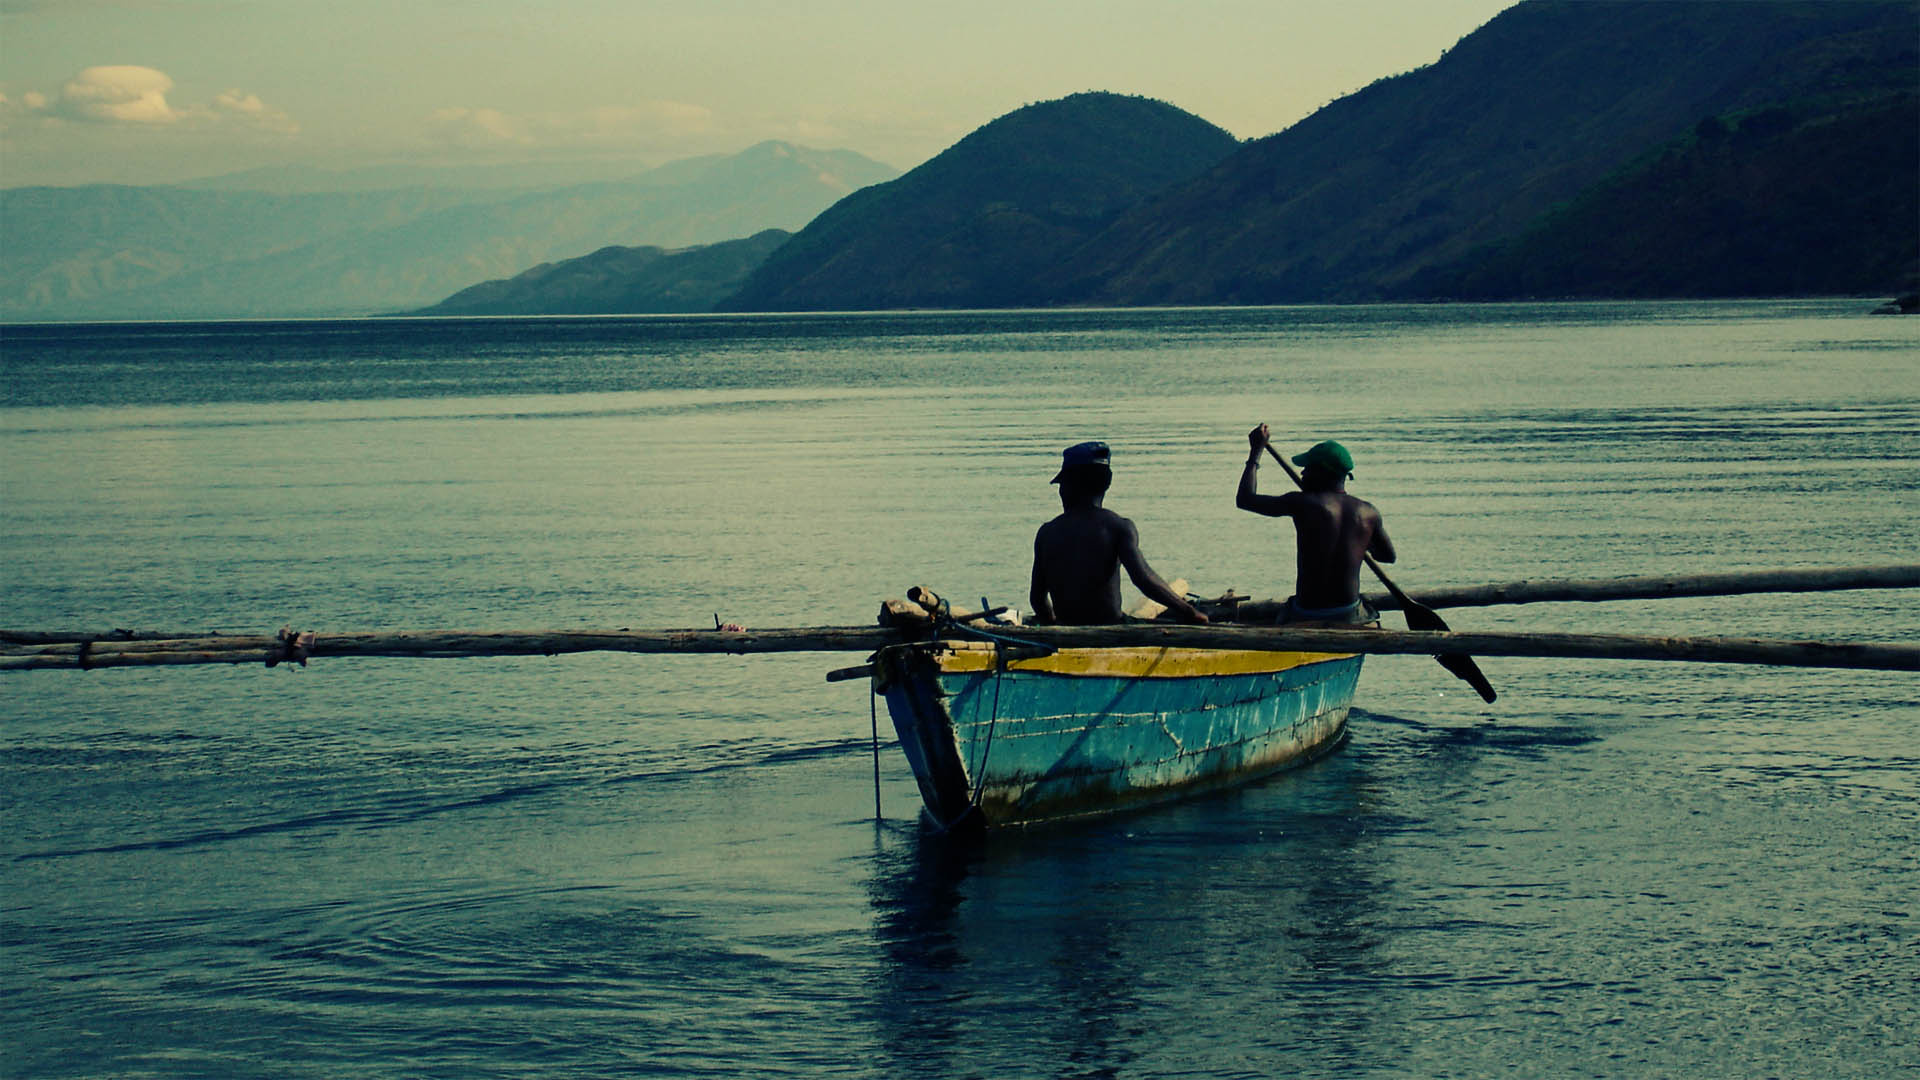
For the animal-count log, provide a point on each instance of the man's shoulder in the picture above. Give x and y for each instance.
(1060, 523)
(1089, 514)
(1092, 521)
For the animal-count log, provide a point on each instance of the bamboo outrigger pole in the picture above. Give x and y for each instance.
(1667, 587)
(285, 647)
(1512, 592)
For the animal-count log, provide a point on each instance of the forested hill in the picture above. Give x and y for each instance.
(627, 280)
(1420, 170)
(976, 225)
(1788, 200)
(1619, 143)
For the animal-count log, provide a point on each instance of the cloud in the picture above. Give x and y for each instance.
(117, 94)
(646, 120)
(807, 131)
(641, 124)
(249, 109)
(129, 95)
(478, 129)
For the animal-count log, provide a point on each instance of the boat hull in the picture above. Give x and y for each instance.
(1091, 731)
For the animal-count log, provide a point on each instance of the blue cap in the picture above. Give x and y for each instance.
(1086, 453)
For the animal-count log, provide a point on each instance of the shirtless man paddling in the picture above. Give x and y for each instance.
(1333, 531)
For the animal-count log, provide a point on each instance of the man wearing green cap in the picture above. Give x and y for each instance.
(1078, 556)
(1333, 531)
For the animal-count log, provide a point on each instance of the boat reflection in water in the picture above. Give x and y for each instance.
(997, 735)
(1136, 943)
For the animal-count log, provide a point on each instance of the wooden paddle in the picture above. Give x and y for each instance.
(1419, 616)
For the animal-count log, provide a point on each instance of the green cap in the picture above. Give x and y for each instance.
(1328, 455)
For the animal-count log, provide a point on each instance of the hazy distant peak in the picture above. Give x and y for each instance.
(839, 170)
(847, 169)
(233, 249)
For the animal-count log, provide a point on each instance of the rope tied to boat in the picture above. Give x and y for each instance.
(943, 624)
(993, 724)
(873, 718)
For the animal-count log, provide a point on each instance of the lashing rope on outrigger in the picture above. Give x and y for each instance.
(944, 624)
(941, 623)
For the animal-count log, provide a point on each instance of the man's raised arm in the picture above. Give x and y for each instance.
(1249, 497)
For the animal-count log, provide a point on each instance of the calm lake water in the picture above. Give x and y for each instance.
(611, 865)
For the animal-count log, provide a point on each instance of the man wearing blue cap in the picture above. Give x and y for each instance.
(1333, 531)
(1077, 557)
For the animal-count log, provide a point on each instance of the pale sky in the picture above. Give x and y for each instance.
(153, 91)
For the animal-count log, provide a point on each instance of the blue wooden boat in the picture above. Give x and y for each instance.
(1011, 741)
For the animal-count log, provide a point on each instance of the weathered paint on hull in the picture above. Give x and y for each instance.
(1087, 731)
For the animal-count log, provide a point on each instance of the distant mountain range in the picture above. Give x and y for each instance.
(1581, 135)
(1569, 148)
(523, 176)
(109, 252)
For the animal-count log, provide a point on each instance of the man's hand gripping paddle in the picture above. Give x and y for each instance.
(1419, 616)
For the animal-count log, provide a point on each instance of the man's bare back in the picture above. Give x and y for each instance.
(1076, 565)
(1078, 556)
(1333, 530)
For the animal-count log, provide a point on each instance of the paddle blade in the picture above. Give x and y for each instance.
(1421, 617)
(1468, 672)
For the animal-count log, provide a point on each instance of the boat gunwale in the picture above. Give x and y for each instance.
(1121, 662)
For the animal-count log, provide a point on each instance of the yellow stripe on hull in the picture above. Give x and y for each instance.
(1144, 662)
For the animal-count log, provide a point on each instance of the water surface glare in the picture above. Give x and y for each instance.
(609, 865)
